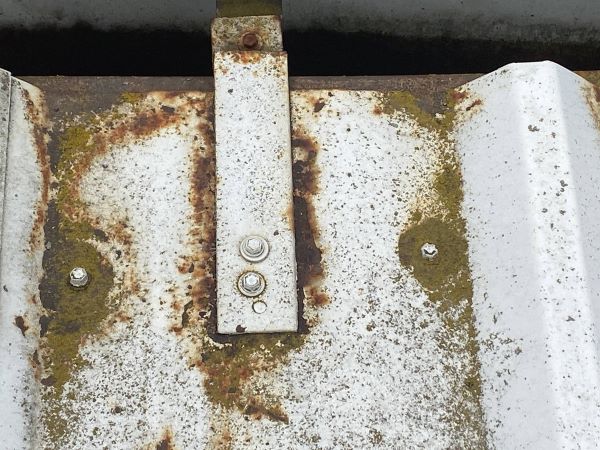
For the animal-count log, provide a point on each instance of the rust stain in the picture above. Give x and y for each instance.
(20, 324)
(166, 442)
(475, 103)
(592, 95)
(309, 256)
(318, 105)
(36, 116)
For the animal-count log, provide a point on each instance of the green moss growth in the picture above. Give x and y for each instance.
(74, 312)
(131, 97)
(447, 278)
(229, 366)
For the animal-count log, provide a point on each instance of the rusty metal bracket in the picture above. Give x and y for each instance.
(254, 179)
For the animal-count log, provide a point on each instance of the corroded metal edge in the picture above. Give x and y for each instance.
(27, 180)
(227, 33)
(4, 123)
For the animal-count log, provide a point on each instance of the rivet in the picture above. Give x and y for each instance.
(251, 284)
(254, 249)
(259, 307)
(429, 251)
(250, 40)
(78, 277)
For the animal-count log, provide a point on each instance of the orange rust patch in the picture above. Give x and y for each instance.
(20, 323)
(308, 254)
(36, 116)
(36, 365)
(474, 104)
(257, 411)
(457, 95)
(318, 105)
(377, 110)
(146, 122)
(166, 443)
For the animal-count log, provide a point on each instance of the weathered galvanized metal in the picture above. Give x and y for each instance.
(25, 203)
(254, 185)
(394, 350)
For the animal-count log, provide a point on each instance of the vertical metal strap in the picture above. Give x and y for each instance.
(256, 263)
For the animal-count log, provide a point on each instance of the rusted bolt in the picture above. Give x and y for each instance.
(78, 277)
(254, 248)
(251, 284)
(259, 307)
(429, 251)
(250, 40)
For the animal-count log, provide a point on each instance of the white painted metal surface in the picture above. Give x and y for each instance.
(531, 161)
(254, 189)
(21, 267)
(381, 365)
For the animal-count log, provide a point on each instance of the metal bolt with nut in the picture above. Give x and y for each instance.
(254, 249)
(78, 277)
(251, 284)
(429, 251)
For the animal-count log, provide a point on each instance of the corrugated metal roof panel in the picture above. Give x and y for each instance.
(395, 350)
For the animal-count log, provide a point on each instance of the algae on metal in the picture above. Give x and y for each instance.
(72, 314)
(447, 278)
(229, 366)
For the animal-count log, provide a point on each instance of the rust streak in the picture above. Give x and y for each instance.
(36, 116)
(20, 323)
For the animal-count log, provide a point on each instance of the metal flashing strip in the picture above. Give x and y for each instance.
(254, 194)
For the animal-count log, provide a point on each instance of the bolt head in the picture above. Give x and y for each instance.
(250, 40)
(429, 251)
(78, 277)
(251, 284)
(254, 248)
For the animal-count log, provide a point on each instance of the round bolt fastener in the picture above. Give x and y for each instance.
(259, 307)
(251, 284)
(429, 251)
(78, 277)
(251, 40)
(254, 249)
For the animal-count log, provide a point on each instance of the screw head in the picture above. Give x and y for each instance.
(78, 277)
(250, 40)
(429, 251)
(251, 284)
(254, 249)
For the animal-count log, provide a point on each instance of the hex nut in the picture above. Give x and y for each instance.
(254, 249)
(251, 284)
(78, 277)
(429, 251)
